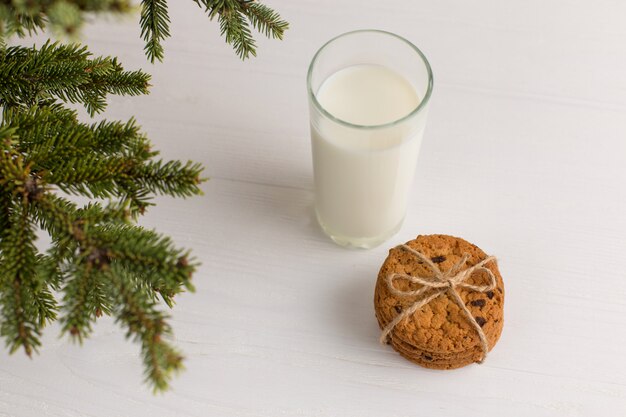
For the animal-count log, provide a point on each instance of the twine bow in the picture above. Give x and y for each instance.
(440, 282)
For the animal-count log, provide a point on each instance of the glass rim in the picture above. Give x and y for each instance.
(413, 112)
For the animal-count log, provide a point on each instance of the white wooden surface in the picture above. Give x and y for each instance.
(525, 155)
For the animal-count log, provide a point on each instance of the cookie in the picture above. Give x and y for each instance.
(434, 360)
(428, 361)
(440, 335)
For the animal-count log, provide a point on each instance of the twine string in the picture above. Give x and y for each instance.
(440, 283)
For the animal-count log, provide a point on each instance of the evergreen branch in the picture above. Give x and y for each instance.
(70, 225)
(104, 160)
(23, 295)
(88, 169)
(234, 17)
(264, 19)
(44, 303)
(49, 271)
(51, 135)
(58, 216)
(45, 131)
(118, 138)
(15, 175)
(7, 137)
(107, 177)
(146, 325)
(154, 24)
(30, 76)
(19, 20)
(64, 17)
(99, 262)
(23, 18)
(95, 213)
(83, 301)
(170, 178)
(86, 295)
(120, 82)
(27, 73)
(147, 255)
(67, 17)
(94, 233)
(236, 31)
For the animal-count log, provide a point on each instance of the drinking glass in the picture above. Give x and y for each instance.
(363, 171)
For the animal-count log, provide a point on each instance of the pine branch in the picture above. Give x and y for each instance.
(265, 20)
(148, 255)
(101, 160)
(169, 178)
(26, 303)
(66, 17)
(236, 31)
(235, 17)
(101, 239)
(31, 76)
(154, 24)
(80, 260)
(146, 325)
(99, 262)
(20, 19)
(51, 135)
(83, 300)
(23, 18)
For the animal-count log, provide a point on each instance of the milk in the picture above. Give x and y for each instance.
(363, 174)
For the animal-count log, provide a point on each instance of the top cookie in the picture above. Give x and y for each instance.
(441, 326)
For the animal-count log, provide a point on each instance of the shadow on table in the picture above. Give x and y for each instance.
(353, 307)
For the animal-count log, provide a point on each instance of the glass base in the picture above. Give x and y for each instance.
(358, 242)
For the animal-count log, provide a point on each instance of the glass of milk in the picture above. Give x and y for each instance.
(368, 99)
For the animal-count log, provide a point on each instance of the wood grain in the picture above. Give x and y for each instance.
(526, 130)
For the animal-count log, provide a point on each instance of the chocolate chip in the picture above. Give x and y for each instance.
(428, 357)
(478, 303)
(438, 259)
(480, 320)
(489, 294)
(398, 308)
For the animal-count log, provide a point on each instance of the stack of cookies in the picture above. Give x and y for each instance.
(439, 334)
